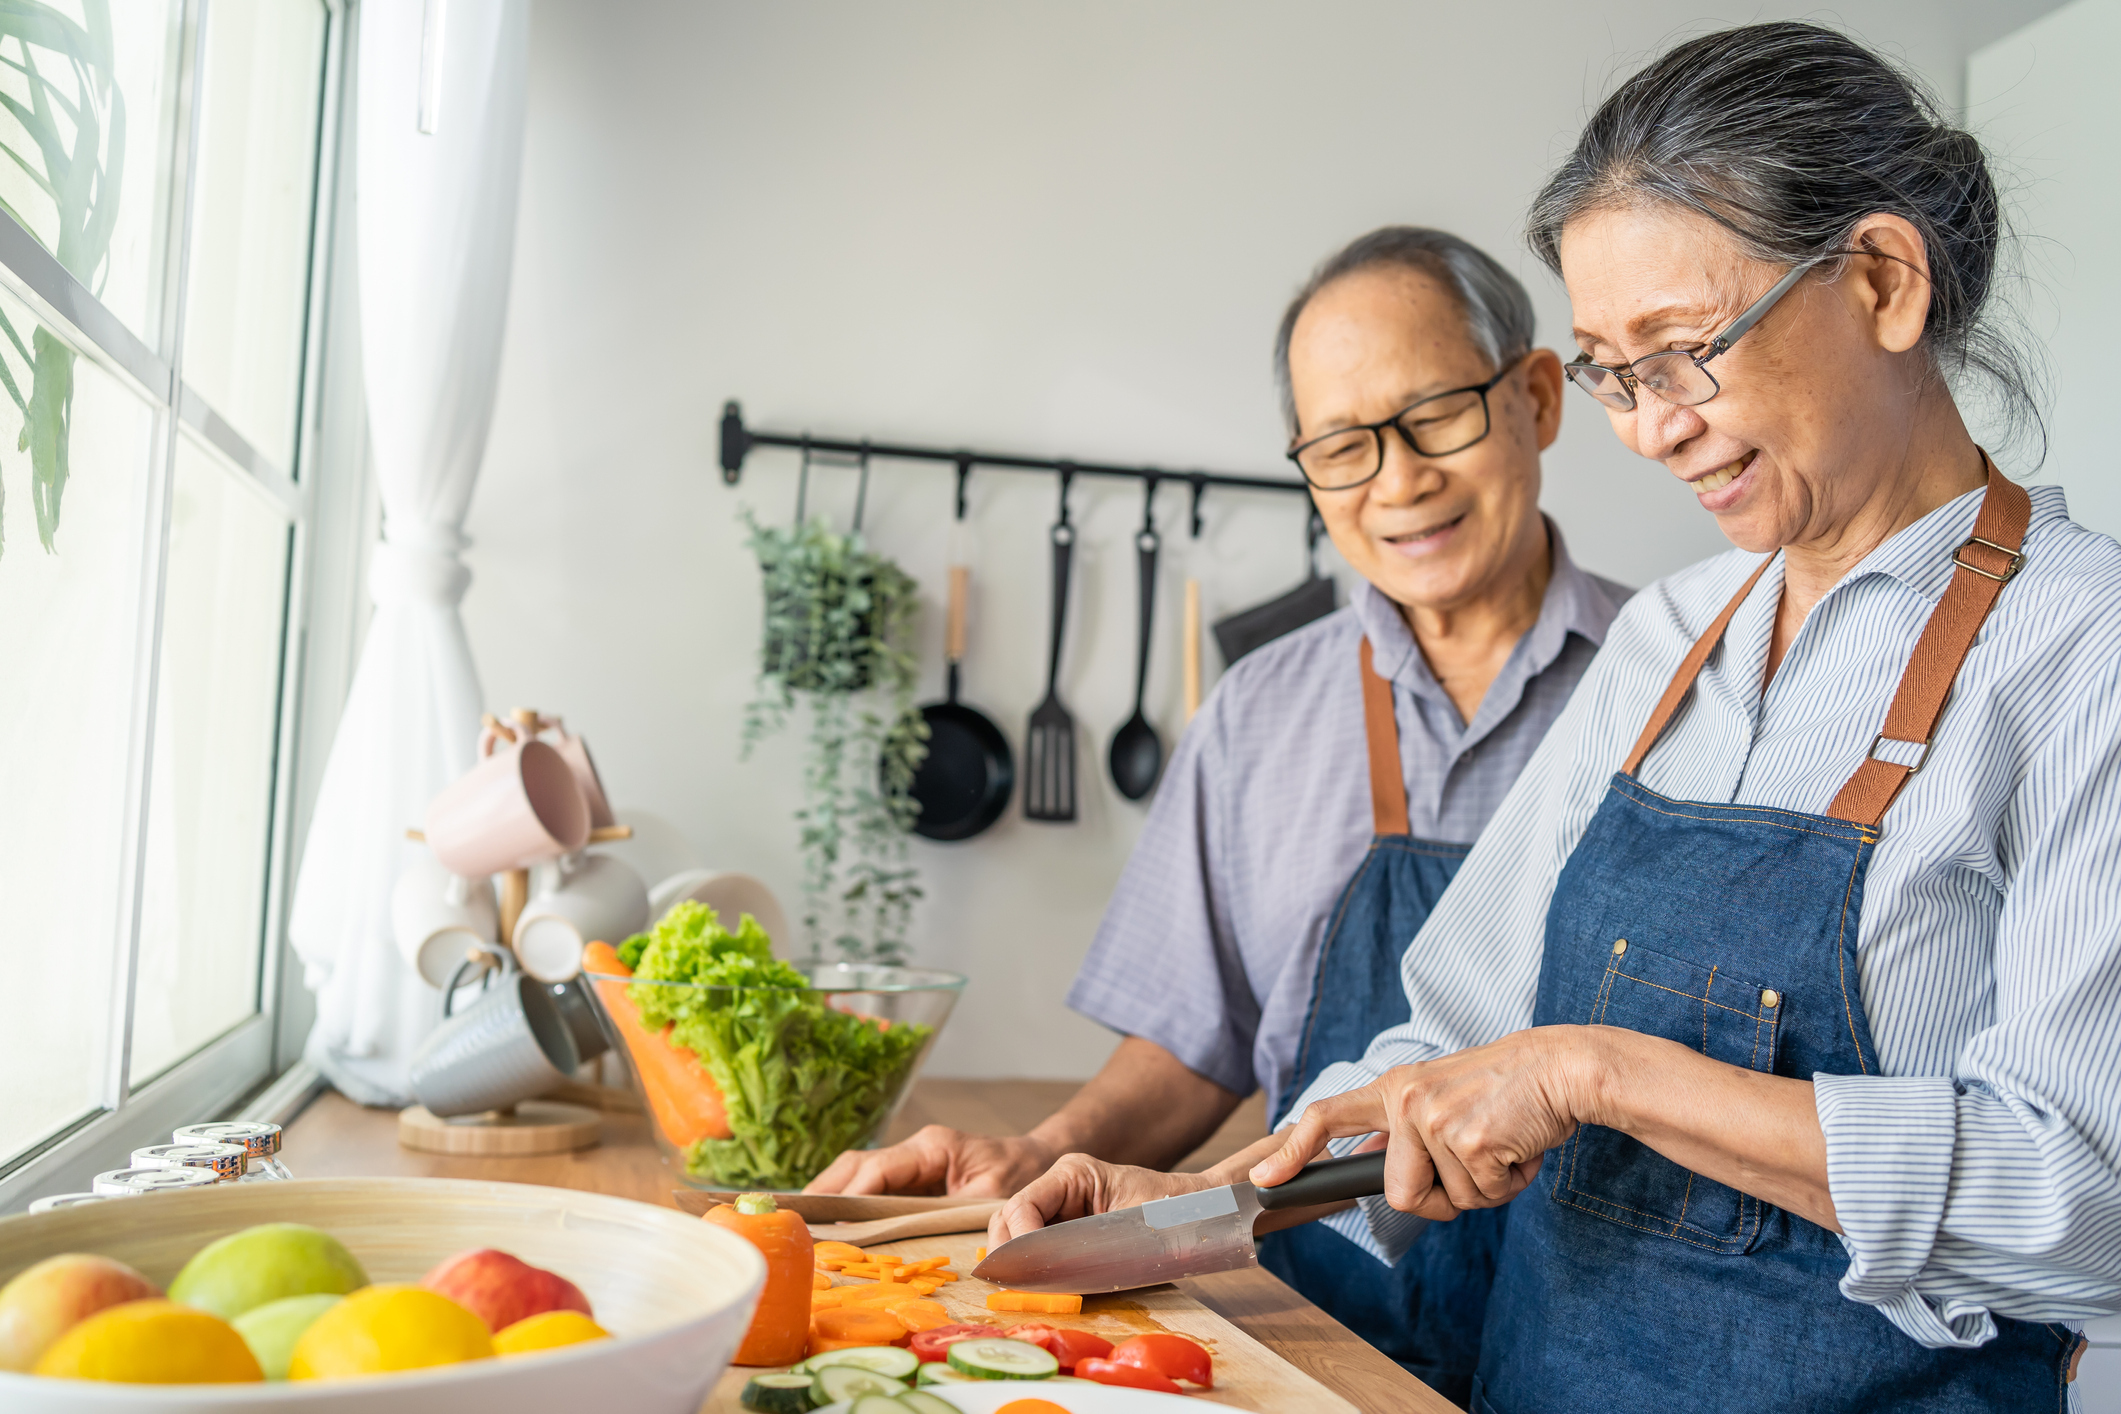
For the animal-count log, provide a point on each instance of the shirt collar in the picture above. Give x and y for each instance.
(1574, 603)
(1920, 556)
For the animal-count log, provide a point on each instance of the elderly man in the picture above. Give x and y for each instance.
(1331, 784)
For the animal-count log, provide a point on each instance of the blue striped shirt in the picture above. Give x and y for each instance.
(1981, 1171)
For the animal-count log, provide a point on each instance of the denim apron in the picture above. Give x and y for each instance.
(1425, 1312)
(1631, 1283)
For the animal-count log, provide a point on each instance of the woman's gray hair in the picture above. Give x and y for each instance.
(1498, 311)
(1788, 135)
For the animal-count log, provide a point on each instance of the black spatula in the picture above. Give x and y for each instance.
(1049, 746)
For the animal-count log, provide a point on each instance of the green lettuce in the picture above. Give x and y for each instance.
(800, 1081)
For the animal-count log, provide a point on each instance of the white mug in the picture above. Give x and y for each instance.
(439, 917)
(585, 898)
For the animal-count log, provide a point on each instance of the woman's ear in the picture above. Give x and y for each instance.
(1543, 381)
(1890, 281)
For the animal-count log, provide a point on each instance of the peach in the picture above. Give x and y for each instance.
(58, 1293)
(501, 1289)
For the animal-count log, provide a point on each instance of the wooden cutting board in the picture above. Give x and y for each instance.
(1247, 1374)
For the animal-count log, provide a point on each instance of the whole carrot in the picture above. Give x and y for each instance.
(781, 1325)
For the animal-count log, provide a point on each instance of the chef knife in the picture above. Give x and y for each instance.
(1187, 1236)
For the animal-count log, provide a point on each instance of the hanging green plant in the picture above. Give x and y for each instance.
(838, 622)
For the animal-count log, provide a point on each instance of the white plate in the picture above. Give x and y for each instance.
(1075, 1396)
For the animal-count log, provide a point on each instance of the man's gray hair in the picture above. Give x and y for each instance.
(1498, 311)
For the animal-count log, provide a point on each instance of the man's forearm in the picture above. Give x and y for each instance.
(1146, 1107)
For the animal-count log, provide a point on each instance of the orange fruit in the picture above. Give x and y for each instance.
(548, 1330)
(388, 1327)
(152, 1343)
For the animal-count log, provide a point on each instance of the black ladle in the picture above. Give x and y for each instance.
(1137, 753)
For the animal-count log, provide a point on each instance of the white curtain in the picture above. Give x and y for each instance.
(438, 150)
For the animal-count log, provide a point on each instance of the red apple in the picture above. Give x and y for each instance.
(501, 1290)
(47, 1300)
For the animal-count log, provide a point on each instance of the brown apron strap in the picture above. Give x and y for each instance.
(1388, 787)
(1689, 669)
(1985, 564)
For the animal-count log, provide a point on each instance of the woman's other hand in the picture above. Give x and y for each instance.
(1078, 1186)
(937, 1160)
(1465, 1131)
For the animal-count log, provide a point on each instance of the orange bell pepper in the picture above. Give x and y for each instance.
(781, 1326)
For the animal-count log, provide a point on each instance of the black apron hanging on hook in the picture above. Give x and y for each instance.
(1246, 630)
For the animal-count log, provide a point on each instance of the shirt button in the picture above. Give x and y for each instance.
(1620, 947)
(1770, 999)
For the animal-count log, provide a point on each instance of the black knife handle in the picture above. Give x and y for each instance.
(1329, 1181)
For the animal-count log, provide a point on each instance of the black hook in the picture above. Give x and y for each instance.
(1200, 485)
(802, 483)
(964, 471)
(861, 490)
(1067, 479)
(1148, 530)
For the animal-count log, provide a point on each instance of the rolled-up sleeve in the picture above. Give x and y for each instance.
(1165, 966)
(1994, 1191)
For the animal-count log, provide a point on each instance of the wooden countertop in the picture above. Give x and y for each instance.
(335, 1138)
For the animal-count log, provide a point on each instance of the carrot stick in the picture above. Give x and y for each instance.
(1051, 1305)
(781, 1326)
(681, 1094)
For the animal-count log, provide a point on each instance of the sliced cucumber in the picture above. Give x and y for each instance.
(779, 1394)
(935, 1372)
(996, 1358)
(879, 1404)
(922, 1402)
(842, 1382)
(893, 1360)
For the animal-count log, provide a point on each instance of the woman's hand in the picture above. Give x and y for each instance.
(1465, 1131)
(1078, 1186)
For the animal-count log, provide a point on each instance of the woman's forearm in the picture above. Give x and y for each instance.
(1756, 1133)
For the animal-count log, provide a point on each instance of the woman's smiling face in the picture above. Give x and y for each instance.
(1817, 400)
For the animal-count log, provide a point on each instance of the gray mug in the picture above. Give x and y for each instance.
(511, 1044)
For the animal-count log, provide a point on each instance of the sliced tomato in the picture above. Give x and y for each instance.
(1112, 1372)
(1172, 1356)
(935, 1345)
(1063, 1344)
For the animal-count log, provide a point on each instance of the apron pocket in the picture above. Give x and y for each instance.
(1607, 1174)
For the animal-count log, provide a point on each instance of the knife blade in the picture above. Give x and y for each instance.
(1190, 1235)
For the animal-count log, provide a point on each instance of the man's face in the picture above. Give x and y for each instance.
(1433, 533)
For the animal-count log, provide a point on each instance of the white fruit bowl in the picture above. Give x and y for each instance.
(676, 1292)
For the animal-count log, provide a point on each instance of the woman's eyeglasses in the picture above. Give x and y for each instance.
(1681, 377)
(1435, 426)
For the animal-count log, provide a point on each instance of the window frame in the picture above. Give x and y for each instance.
(328, 501)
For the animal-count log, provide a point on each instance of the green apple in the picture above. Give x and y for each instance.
(271, 1330)
(246, 1269)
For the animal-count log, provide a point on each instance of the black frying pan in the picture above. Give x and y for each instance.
(963, 784)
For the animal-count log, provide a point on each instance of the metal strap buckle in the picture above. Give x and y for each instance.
(2017, 560)
(1920, 761)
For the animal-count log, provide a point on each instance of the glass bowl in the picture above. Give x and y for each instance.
(776, 1081)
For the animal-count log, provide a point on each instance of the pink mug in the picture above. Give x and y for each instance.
(520, 807)
(575, 751)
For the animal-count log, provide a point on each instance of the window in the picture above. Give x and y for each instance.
(159, 213)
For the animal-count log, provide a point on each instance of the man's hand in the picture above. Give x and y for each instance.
(938, 1161)
(1079, 1186)
(1464, 1131)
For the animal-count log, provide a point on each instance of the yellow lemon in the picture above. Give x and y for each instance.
(381, 1328)
(547, 1330)
(152, 1343)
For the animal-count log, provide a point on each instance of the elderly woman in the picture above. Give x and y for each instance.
(1784, 985)
(1316, 808)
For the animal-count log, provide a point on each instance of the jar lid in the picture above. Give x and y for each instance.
(221, 1160)
(121, 1183)
(69, 1200)
(260, 1139)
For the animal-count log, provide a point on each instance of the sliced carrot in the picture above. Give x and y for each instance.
(682, 1096)
(979, 1254)
(1047, 1304)
(859, 1327)
(820, 1282)
(883, 1293)
(828, 1300)
(925, 1286)
(921, 1315)
(929, 1264)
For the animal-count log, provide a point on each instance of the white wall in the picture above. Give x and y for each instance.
(1058, 229)
(2041, 99)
